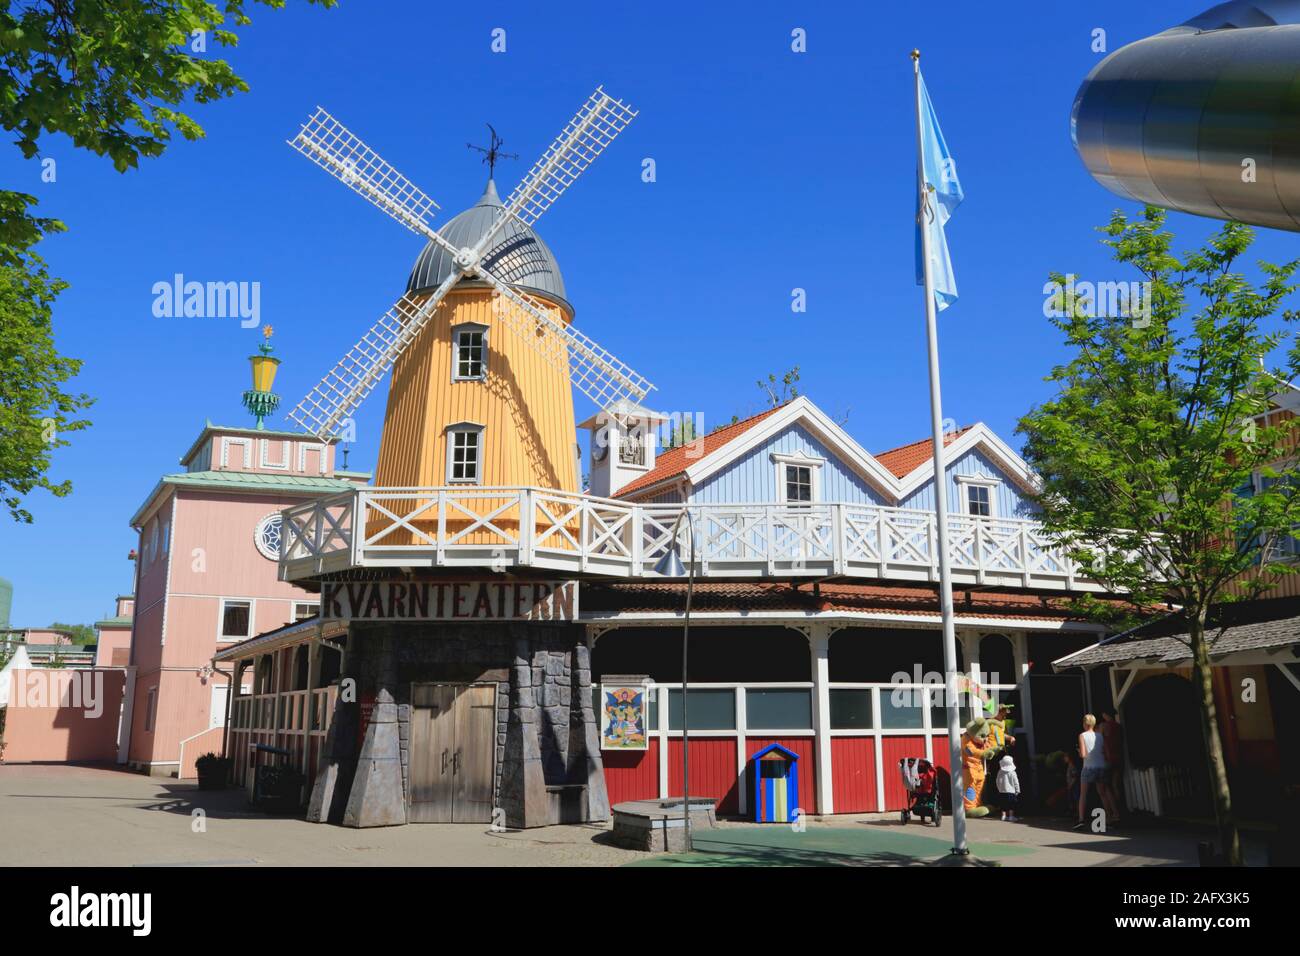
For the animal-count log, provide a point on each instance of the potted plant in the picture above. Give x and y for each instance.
(213, 770)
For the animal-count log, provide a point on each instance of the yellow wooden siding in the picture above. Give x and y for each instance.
(525, 407)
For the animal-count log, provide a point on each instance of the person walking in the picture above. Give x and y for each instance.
(1092, 753)
(1112, 734)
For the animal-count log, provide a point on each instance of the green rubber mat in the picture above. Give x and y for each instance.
(775, 845)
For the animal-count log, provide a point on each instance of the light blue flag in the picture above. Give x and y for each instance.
(939, 171)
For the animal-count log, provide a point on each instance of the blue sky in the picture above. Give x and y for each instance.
(775, 171)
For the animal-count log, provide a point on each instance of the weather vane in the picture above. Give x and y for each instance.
(493, 151)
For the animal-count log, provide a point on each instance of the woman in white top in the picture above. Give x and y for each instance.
(1093, 773)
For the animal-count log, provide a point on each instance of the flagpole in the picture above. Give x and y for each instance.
(959, 847)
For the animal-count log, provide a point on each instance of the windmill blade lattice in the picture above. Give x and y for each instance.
(353, 377)
(334, 148)
(593, 369)
(586, 136)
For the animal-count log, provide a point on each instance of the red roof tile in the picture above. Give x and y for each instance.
(674, 461)
(653, 597)
(902, 461)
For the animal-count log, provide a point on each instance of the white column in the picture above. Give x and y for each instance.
(127, 716)
(1025, 719)
(820, 641)
(742, 763)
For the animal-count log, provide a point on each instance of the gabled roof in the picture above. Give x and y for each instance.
(904, 459)
(895, 473)
(673, 462)
(774, 749)
(977, 436)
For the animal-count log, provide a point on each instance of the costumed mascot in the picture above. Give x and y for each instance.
(974, 751)
(998, 719)
(999, 741)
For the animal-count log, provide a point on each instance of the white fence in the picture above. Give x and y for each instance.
(500, 528)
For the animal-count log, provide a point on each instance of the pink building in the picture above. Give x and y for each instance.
(113, 645)
(207, 576)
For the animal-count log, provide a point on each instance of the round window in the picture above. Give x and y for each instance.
(267, 536)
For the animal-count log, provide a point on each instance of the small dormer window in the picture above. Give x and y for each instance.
(464, 454)
(978, 501)
(798, 483)
(798, 478)
(469, 355)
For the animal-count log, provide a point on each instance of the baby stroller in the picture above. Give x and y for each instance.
(922, 785)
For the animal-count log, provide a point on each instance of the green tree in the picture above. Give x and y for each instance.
(35, 412)
(682, 433)
(82, 634)
(113, 76)
(1158, 428)
(779, 391)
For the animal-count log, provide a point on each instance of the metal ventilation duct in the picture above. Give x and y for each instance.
(1185, 118)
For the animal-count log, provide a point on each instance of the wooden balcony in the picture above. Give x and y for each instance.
(505, 528)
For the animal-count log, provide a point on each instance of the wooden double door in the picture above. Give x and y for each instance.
(452, 746)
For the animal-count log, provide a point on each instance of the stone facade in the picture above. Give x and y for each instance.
(547, 766)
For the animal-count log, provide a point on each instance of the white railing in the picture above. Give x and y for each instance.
(498, 528)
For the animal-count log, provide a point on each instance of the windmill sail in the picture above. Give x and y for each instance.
(333, 147)
(600, 119)
(353, 377)
(594, 370)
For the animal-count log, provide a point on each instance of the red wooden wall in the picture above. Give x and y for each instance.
(893, 749)
(713, 770)
(854, 763)
(632, 774)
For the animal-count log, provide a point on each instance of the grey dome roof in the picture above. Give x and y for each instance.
(517, 256)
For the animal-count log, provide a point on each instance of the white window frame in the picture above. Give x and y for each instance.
(964, 482)
(221, 618)
(456, 332)
(464, 428)
(286, 459)
(814, 466)
(151, 710)
(245, 445)
(293, 611)
(1289, 554)
(306, 446)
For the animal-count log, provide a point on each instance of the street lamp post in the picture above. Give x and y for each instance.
(670, 566)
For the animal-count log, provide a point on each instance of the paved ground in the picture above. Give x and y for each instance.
(81, 816)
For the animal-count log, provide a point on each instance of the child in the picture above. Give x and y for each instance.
(1008, 789)
(1072, 780)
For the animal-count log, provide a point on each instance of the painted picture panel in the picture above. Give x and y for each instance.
(624, 716)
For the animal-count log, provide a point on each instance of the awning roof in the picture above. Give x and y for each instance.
(755, 601)
(1252, 627)
(295, 633)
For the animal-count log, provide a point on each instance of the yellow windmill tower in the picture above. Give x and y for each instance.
(482, 348)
